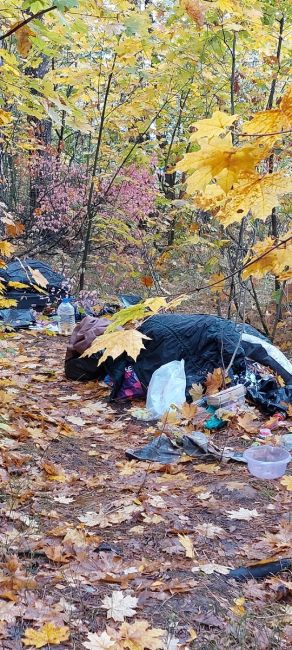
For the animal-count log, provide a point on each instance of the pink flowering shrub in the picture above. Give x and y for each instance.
(132, 195)
(59, 192)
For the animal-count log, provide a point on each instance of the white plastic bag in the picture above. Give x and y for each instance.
(167, 386)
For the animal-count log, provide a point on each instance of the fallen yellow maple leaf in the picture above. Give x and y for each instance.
(238, 609)
(115, 343)
(49, 633)
(287, 482)
(139, 636)
(245, 422)
(187, 543)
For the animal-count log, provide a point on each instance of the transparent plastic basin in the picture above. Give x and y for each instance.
(267, 462)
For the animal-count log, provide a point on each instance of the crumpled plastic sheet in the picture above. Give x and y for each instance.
(264, 392)
(164, 450)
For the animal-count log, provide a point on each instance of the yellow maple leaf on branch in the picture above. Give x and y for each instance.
(254, 193)
(272, 121)
(213, 126)
(268, 259)
(220, 160)
(115, 343)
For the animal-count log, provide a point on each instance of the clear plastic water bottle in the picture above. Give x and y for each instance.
(66, 317)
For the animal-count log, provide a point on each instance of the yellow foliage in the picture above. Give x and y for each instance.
(6, 303)
(6, 248)
(219, 279)
(115, 343)
(48, 633)
(5, 117)
(213, 126)
(255, 193)
(274, 120)
(211, 199)
(17, 285)
(276, 260)
(136, 312)
(219, 159)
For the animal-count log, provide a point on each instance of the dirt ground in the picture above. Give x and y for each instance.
(79, 521)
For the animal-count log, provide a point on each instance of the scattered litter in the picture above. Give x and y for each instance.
(167, 388)
(267, 462)
(164, 450)
(230, 398)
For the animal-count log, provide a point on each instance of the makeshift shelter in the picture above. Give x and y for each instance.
(204, 342)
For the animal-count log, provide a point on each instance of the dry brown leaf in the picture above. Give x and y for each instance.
(187, 543)
(210, 530)
(196, 392)
(99, 642)
(214, 381)
(207, 469)
(188, 411)
(139, 636)
(245, 422)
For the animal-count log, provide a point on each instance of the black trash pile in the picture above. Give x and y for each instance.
(34, 296)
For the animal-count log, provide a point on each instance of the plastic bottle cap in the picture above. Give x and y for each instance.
(265, 432)
(66, 299)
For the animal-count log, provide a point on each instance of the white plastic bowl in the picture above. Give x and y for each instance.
(267, 462)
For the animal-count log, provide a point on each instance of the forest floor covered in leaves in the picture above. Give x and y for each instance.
(91, 541)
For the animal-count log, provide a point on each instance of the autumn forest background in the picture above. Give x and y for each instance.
(145, 148)
(107, 107)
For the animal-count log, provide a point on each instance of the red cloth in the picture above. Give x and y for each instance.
(84, 334)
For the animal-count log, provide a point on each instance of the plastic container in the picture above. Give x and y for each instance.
(66, 317)
(233, 396)
(267, 462)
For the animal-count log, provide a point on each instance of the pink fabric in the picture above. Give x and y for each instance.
(131, 386)
(84, 334)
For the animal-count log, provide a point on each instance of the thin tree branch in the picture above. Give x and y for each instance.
(15, 28)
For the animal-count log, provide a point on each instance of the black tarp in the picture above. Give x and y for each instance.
(205, 342)
(17, 271)
(26, 298)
